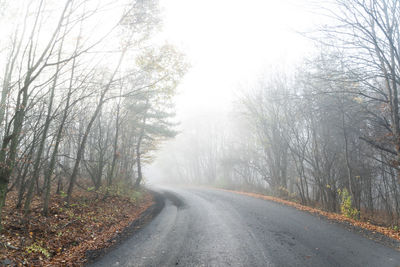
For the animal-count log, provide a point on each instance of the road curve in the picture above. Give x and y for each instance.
(206, 227)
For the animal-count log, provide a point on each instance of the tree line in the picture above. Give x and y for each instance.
(86, 95)
(325, 133)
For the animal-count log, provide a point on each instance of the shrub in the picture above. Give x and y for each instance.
(122, 189)
(346, 205)
(283, 192)
(37, 248)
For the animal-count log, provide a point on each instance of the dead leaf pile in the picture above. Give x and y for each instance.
(62, 238)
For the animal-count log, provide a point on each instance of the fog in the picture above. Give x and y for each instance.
(291, 98)
(296, 99)
(230, 45)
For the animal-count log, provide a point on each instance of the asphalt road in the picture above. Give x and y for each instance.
(205, 227)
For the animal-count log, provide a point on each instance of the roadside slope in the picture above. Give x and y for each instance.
(69, 235)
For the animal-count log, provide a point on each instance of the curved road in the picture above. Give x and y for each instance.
(205, 227)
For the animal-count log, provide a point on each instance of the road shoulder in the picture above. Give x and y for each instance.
(380, 234)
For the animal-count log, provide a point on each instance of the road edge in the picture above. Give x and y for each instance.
(146, 217)
(374, 235)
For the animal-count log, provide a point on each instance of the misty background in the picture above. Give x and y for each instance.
(231, 46)
(296, 99)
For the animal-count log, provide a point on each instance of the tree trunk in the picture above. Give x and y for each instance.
(115, 154)
(81, 148)
(36, 169)
(138, 146)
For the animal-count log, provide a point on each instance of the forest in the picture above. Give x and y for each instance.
(88, 111)
(324, 133)
(84, 102)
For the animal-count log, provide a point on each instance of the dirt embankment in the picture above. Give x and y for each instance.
(69, 236)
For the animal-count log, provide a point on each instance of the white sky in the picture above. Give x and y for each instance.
(230, 43)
